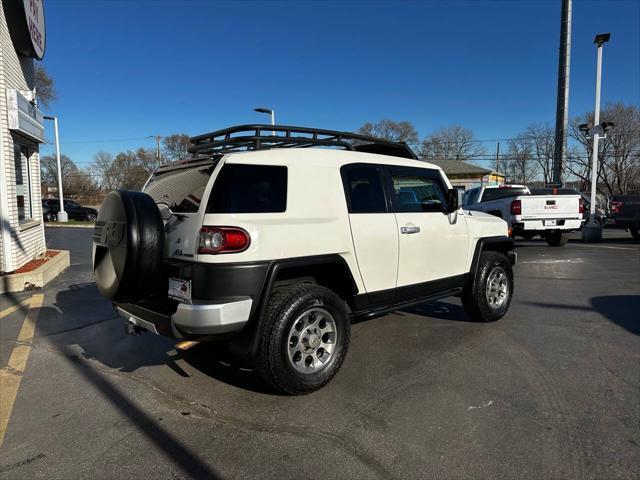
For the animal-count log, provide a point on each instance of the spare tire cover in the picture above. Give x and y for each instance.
(128, 246)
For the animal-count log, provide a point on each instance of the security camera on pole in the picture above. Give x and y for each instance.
(592, 231)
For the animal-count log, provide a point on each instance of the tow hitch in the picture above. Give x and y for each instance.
(132, 329)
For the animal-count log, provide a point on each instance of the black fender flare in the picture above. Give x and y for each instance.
(247, 344)
(499, 243)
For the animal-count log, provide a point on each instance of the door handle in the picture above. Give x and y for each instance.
(410, 229)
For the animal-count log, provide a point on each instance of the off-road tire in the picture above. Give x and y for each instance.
(557, 238)
(283, 309)
(474, 298)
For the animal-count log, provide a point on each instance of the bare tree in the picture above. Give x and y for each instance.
(45, 86)
(75, 181)
(391, 130)
(103, 169)
(174, 147)
(542, 140)
(520, 164)
(451, 143)
(49, 170)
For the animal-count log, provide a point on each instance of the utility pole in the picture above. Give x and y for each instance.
(562, 106)
(158, 137)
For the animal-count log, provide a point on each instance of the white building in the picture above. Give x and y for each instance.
(22, 41)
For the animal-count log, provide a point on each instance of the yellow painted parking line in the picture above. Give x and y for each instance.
(13, 308)
(11, 375)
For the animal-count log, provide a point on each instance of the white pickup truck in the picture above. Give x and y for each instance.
(550, 216)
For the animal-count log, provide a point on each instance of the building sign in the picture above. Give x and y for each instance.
(24, 117)
(26, 25)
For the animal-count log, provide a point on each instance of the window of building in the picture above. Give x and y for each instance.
(23, 183)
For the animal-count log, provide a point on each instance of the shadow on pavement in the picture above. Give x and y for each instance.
(216, 361)
(619, 309)
(623, 310)
(80, 317)
(441, 310)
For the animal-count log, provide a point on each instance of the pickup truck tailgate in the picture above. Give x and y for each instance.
(550, 206)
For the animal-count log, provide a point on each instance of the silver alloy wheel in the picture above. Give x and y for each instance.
(497, 289)
(312, 340)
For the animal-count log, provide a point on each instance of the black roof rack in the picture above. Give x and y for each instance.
(263, 137)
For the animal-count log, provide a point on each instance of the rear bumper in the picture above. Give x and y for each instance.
(201, 319)
(542, 224)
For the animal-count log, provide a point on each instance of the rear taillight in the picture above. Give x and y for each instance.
(615, 207)
(516, 207)
(223, 240)
(581, 206)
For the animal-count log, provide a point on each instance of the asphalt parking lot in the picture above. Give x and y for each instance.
(550, 391)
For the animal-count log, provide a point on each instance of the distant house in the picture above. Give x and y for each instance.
(464, 175)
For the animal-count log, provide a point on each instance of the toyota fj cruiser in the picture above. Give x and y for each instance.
(276, 247)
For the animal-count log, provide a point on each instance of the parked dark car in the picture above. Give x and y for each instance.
(624, 212)
(51, 207)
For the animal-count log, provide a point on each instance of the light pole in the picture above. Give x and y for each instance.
(62, 215)
(269, 112)
(592, 231)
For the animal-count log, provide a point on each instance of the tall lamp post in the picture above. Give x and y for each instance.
(62, 215)
(268, 111)
(592, 231)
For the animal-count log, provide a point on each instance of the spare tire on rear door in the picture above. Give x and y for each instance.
(128, 246)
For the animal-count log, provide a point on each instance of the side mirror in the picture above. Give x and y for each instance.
(452, 200)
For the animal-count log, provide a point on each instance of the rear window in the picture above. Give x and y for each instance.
(554, 191)
(249, 189)
(180, 188)
(496, 193)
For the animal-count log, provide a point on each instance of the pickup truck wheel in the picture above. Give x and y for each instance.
(635, 232)
(304, 338)
(488, 297)
(557, 238)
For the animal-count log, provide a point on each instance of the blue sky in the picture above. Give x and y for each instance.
(130, 69)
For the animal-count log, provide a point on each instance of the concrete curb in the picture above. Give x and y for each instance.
(18, 282)
(57, 225)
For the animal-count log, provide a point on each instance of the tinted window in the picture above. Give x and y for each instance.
(556, 191)
(249, 189)
(418, 193)
(180, 188)
(363, 186)
(471, 196)
(495, 193)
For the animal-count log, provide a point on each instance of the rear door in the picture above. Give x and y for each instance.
(433, 245)
(373, 228)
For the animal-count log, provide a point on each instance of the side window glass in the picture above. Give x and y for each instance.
(415, 193)
(364, 188)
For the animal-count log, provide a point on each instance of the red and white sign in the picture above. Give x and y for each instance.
(34, 14)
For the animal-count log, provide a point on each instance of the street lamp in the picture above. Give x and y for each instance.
(268, 111)
(592, 231)
(62, 215)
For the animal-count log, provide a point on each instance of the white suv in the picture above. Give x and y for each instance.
(277, 246)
